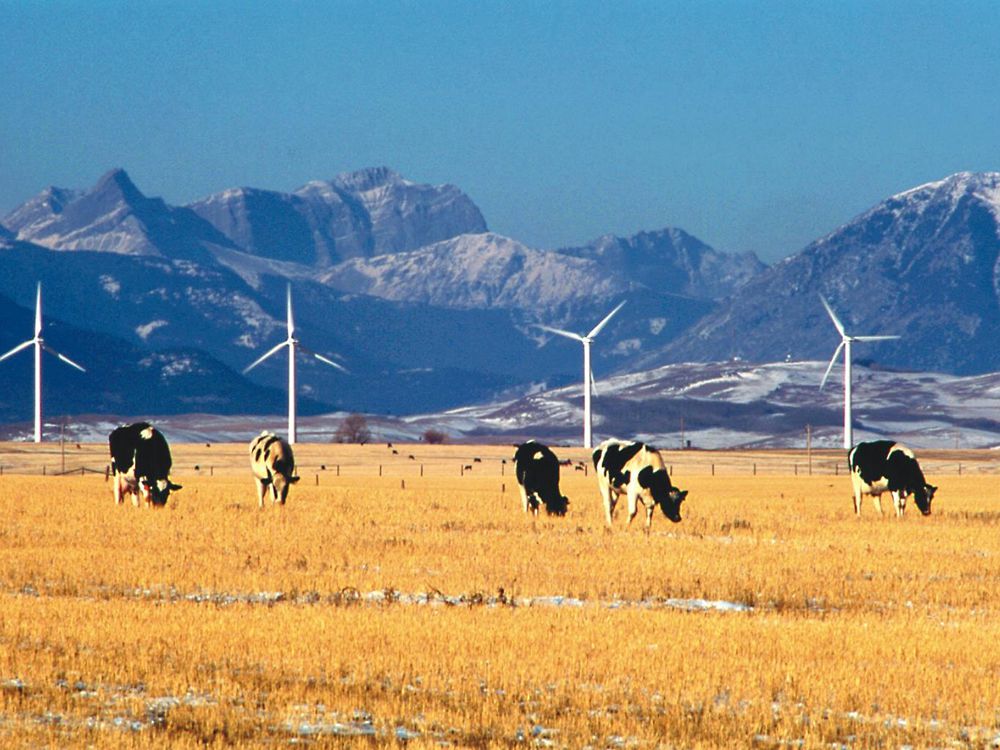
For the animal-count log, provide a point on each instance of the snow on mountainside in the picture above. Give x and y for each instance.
(671, 260)
(478, 271)
(357, 214)
(924, 264)
(739, 405)
(113, 217)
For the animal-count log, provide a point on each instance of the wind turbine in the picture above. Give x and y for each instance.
(845, 344)
(39, 343)
(291, 342)
(588, 374)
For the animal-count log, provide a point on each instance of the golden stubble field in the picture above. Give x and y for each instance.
(428, 610)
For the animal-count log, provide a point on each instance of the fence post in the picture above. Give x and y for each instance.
(959, 468)
(338, 470)
(380, 469)
(402, 484)
(755, 469)
(421, 469)
(713, 470)
(317, 480)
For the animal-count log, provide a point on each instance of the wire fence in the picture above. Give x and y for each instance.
(678, 465)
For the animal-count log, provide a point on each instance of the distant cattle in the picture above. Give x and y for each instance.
(273, 465)
(140, 463)
(638, 471)
(886, 466)
(537, 471)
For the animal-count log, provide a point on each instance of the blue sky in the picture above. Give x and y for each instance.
(753, 125)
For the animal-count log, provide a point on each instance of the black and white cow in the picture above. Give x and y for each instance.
(273, 465)
(537, 471)
(637, 470)
(140, 464)
(886, 466)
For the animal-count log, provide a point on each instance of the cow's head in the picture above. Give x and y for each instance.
(668, 497)
(556, 504)
(156, 491)
(279, 486)
(922, 496)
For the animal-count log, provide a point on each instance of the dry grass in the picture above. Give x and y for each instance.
(210, 622)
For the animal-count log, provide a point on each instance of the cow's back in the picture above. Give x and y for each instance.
(616, 461)
(536, 466)
(269, 454)
(122, 444)
(868, 460)
(142, 447)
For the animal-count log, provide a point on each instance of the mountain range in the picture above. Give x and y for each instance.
(429, 310)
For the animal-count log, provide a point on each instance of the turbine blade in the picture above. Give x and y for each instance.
(833, 316)
(321, 358)
(559, 332)
(291, 319)
(593, 383)
(875, 338)
(263, 357)
(38, 310)
(63, 357)
(16, 349)
(599, 326)
(830, 366)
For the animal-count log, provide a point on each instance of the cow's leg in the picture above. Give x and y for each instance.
(877, 500)
(536, 503)
(610, 499)
(260, 492)
(117, 491)
(524, 498)
(649, 516)
(899, 503)
(856, 486)
(633, 505)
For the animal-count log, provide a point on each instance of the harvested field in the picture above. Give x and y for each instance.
(428, 610)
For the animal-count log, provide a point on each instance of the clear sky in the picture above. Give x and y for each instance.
(752, 125)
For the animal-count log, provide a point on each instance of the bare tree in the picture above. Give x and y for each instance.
(353, 429)
(434, 437)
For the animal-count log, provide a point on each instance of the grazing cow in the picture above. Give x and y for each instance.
(273, 465)
(140, 463)
(637, 470)
(886, 466)
(537, 471)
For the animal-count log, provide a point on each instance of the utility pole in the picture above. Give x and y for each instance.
(809, 448)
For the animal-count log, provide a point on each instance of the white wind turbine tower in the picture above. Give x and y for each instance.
(845, 344)
(588, 374)
(291, 342)
(39, 343)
